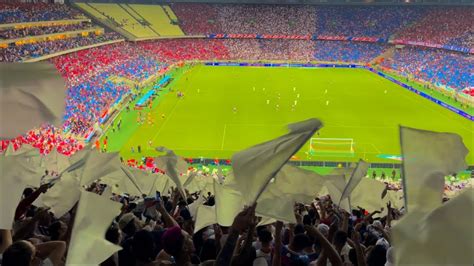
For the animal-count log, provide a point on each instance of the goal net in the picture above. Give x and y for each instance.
(331, 146)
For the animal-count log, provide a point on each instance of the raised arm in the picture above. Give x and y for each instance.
(355, 243)
(6, 238)
(241, 222)
(165, 216)
(328, 249)
(276, 260)
(26, 202)
(28, 227)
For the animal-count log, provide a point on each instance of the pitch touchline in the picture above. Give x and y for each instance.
(427, 107)
(166, 120)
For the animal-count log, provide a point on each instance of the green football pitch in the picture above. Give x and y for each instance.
(226, 109)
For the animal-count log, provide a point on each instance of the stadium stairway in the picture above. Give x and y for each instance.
(138, 17)
(387, 53)
(160, 20)
(124, 19)
(102, 20)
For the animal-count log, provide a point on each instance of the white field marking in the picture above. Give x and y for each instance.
(375, 147)
(168, 117)
(418, 100)
(223, 137)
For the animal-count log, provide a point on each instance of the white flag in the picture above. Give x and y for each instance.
(228, 203)
(55, 161)
(427, 158)
(254, 167)
(444, 236)
(98, 165)
(174, 167)
(266, 220)
(359, 172)
(291, 184)
(88, 245)
(162, 184)
(194, 206)
(30, 95)
(145, 181)
(122, 181)
(17, 172)
(205, 216)
(368, 195)
(62, 196)
(335, 185)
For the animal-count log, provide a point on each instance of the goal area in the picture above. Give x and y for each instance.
(331, 146)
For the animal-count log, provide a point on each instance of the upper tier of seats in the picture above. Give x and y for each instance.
(433, 25)
(430, 25)
(29, 31)
(27, 12)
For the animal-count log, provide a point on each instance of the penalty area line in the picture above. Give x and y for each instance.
(223, 137)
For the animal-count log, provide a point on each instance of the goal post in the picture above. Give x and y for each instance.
(331, 146)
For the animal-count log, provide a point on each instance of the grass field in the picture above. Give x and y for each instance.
(361, 106)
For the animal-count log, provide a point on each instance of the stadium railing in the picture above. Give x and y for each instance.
(44, 23)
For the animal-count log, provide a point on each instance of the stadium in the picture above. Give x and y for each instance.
(200, 115)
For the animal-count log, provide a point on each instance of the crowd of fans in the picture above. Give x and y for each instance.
(28, 12)
(45, 139)
(14, 33)
(436, 66)
(446, 25)
(16, 53)
(161, 231)
(196, 19)
(266, 19)
(380, 22)
(252, 49)
(347, 51)
(175, 50)
(90, 92)
(451, 26)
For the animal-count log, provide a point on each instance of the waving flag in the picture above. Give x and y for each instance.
(356, 176)
(427, 158)
(254, 167)
(174, 167)
(443, 236)
(94, 215)
(17, 172)
(30, 95)
(291, 184)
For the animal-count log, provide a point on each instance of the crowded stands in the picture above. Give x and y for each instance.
(380, 22)
(90, 93)
(31, 12)
(185, 49)
(196, 19)
(45, 139)
(20, 32)
(447, 26)
(16, 53)
(334, 51)
(436, 66)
